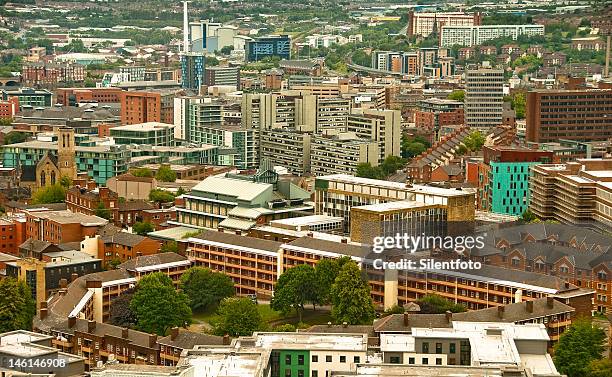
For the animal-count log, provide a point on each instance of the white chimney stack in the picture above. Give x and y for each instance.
(185, 28)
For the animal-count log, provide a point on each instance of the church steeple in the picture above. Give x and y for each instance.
(66, 153)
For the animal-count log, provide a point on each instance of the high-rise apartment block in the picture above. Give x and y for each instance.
(293, 109)
(289, 148)
(484, 97)
(192, 70)
(573, 193)
(580, 115)
(337, 152)
(222, 76)
(476, 35)
(423, 24)
(382, 126)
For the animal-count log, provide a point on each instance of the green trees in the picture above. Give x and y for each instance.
(295, 288)
(143, 228)
(474, 141)
(14, 137)
(435, 304)
(350, 296)
(17, 307)
(413, 146)
(76, 45)
(389, 166)
(204, 287)
(518, 103)
(120, 313)
(366, 170)
(142, 172)
(579, 345)
(165, 174)
(326, 272)
(528, 216)
(160, 196)
(65, 182)
(158, 306)
(457, 95)
(102, 211)
(169, 247)
(50, 194)
(600, 368)
(237, 316)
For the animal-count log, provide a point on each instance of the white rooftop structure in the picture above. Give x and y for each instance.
(312, 341)
(228, 187)
(491, 344)
(148, 126)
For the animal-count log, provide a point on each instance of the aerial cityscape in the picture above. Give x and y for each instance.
(314, 188)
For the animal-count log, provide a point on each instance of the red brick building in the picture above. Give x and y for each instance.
(85, 198)
(73, 96)
(9, 108)
(124, 246)
(61, 226)
(11, 236)
(143, 107)
(44, 74)
(580, 115)
(159, 217)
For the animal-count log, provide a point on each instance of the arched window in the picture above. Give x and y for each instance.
(43, 179)
(52, 177)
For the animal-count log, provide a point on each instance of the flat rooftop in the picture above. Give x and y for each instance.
(69, 217)
(312, 341)
(394, 206)
(307, 220)
(213, 364)
(148, 126)
(418, 189)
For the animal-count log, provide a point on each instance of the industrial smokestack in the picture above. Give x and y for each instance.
(185, 28)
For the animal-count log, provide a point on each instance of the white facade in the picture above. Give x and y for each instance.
(477, 35)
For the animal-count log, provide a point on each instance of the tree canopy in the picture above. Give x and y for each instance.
(366, 170)
(351, 298)
(600, 368)
(143, 228)
(142, 172)
(326, 272)
(474, 141)
(457, 95)
(436, 304)
(17, 306)
(169, 247)
(50, 194)
(237, 316)
(296, 287)
(14, 137)
(102, 211)
(205, 287)
(389, 166)
(165, 174)
(160, 196)
(120, 313)
(158, 306)
(413, 146)
(578, 346)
